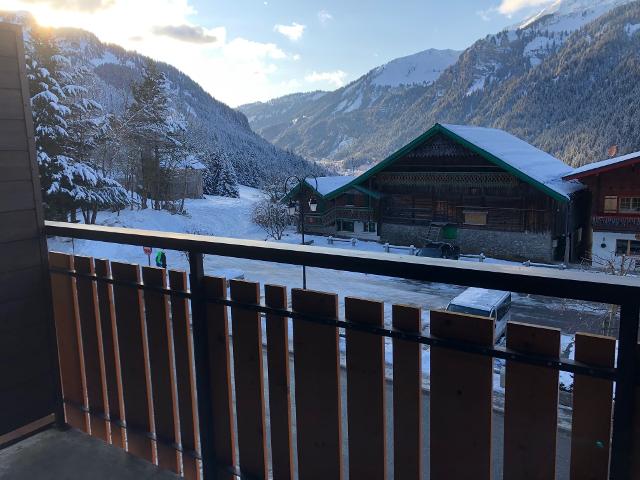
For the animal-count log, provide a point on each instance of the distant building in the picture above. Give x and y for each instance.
(185, 179)
(480, 188)
(615, 205)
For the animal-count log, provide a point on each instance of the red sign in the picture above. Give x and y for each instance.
(147, 250)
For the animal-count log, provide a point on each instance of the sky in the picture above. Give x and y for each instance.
(243, 51)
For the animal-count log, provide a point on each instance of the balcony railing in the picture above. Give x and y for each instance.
(172, 369)
(616, 223)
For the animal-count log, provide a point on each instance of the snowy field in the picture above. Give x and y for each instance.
(229, 217)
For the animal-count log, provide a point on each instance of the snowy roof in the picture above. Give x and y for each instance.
(593, 168)
(480, 298)
(326, 185)
(189, 162)
(532, 163)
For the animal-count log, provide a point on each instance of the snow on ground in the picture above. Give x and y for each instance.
(228, 217)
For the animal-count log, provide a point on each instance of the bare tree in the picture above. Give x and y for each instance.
(272, 217)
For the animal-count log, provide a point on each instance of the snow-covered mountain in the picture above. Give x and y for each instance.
(214, 126)
(327, 124)
(481, 87)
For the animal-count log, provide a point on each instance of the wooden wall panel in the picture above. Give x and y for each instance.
(248, 379)
(365, 392)
(134, 357)
(185, 380)
(592, 409)
(531, 405)
(461, 400)
(115, 402)
(317, 388)
(407, 393)
(92, 345)
(277, 329)
(24, 272)
(65, 309)
(163, 377)
(220, 372)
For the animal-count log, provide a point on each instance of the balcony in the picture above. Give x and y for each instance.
(202, 377)
(616, 223)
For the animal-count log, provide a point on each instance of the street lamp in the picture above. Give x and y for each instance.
(300, 183)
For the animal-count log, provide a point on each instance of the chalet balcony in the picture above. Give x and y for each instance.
(201, 377)
(616, 223)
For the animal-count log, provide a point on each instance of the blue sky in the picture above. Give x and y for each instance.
(249, 50)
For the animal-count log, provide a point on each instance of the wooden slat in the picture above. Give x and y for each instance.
(92, 348)
(64, 297)
(14, 165)
(111, 353)
(592, 403)
(23, 226)
(9, 73)
(136, 382)
(185, 381)
(317, 388)
(7, 43)
(461, 400)
(11, 104)
(277, 330)
(407, 393)
(248, 379)
(13, 135)
(365, 392)
(163, 377)
(220, 372)
(531, 405)
(20, 255)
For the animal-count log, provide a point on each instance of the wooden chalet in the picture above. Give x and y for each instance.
(615, 205)
(482, 189)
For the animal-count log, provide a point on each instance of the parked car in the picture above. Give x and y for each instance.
(494, 304)
(439, 250)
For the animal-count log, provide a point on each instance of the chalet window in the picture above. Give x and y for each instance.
(370, 227)
(475, 218)
(610, 204)
(345, 225)
(628, 247)
(630, 204)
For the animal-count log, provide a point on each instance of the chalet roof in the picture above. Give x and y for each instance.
(604, 165)
(523, 160)
(326, 185)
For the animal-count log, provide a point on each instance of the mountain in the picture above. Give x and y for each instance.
(328, 125)
(565, 80)
(213, 126)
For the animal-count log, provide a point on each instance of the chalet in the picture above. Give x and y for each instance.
(480, 188)
(184, 179)
(615, 205)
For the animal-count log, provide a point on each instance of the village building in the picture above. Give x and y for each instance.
(479, 188)
(184, 179)
(615, 205)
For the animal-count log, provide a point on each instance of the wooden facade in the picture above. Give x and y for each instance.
(27, 341)
(472, 201)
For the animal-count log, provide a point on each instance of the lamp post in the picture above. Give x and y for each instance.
(300, 183)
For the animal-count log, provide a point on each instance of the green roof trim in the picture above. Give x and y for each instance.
(368, 192)
(436, 129)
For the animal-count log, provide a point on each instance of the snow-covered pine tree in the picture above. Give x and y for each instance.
(227, 180)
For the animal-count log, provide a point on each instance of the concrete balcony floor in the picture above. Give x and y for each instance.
(70, 455)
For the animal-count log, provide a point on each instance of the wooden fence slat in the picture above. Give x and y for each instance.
(317, 387)
(185, 380)
(92, 347)
(592, 404)
(220, 372)
(163, 379)
(136, 382)
(277, 329)
(111, 353)
(531, 405)
(249, 380)
(64, 295)
(407, 397)
(461, 399)
(365, 392)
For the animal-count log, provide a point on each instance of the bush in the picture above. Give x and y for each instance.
(272, 217)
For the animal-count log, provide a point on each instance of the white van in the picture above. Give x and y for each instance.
(494, 304)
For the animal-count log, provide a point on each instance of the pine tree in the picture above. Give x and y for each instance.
(227, 181)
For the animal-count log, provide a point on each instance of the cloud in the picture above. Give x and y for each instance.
(293, 32)
(509, 7)
(296, 57)
(324, 17)
(78, 5)
(185, 33)
(335, 78)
